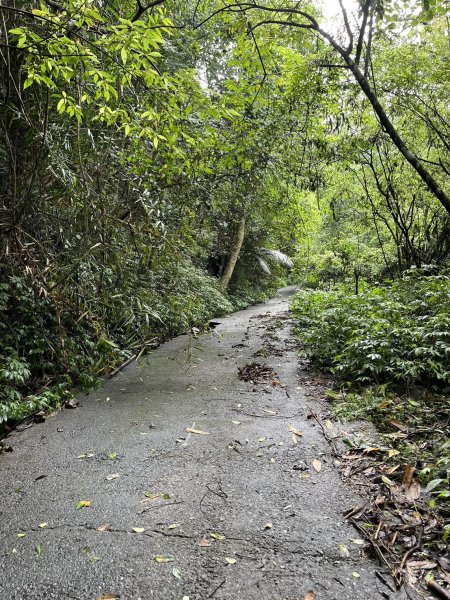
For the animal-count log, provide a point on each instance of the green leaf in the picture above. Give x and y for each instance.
(162, 558)
(433, 484)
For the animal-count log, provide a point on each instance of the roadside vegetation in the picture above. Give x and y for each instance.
(162, 164)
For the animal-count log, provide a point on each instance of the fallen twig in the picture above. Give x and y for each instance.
(122, 366)
(355, 511)
(240, 410)
(335, 452)
(217, 589)
(161, 506)
(437, 589)
(375, 546)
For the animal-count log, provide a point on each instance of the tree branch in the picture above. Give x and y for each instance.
(142, 9)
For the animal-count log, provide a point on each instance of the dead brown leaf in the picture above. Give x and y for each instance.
(205, 542)
(295, 431)
(412, 493)
(317, 465)
(421, 564)
(408, 475)
(310, 596)
(105, 527)
(398, 425)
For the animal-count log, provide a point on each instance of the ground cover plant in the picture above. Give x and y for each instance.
(389, 350)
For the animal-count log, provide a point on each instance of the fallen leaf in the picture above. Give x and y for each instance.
(236, 422)
(83, 504)
(262, 439)
(295, 431)
(343, 550)
(392, 469)
(176, 573)
(43, 525)
(370, 449)
(328, 424)
(166, 496)
(392, 453)
(162, 558)
(105, 527)
(107, 597)
(230, 561)
(218, 536)
(173, 526)
(204, 543)
(386, 480)
(71, 403)
(138, 529)
(359, 542)
(317, 465)
(113, 455)
(355, 574)
(39, 549)
(398, 425)
(113, 476)
(408, 475)
(310, 596)
(421, 564)
(197, 431)
(88, 455)
(412, 493)
(21, 535)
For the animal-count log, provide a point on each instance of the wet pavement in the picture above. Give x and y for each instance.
(235, 508)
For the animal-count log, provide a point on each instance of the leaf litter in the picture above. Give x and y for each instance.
(403, 522)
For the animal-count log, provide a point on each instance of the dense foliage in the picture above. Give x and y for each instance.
(394, 333)
(159, 162)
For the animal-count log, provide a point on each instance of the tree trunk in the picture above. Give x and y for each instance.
(387, 124)
(238, 240)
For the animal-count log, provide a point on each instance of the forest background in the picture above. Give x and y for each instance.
(165, 163)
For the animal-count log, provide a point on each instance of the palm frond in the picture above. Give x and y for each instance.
(264, 266)
(277, 256)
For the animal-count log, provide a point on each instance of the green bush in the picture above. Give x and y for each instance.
(395, 333)
(52, 342)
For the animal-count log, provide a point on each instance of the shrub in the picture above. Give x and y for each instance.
(396, 333)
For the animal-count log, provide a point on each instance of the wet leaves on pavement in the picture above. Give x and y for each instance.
(163, 558)
(317, 465)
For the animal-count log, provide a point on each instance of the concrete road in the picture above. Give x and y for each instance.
(238, 511)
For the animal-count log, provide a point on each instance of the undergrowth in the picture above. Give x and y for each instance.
(390, 349)
(55, 339)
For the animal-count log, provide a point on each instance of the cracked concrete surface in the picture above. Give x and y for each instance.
(246, 480)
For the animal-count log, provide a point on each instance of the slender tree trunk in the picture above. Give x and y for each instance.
(236, 245)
